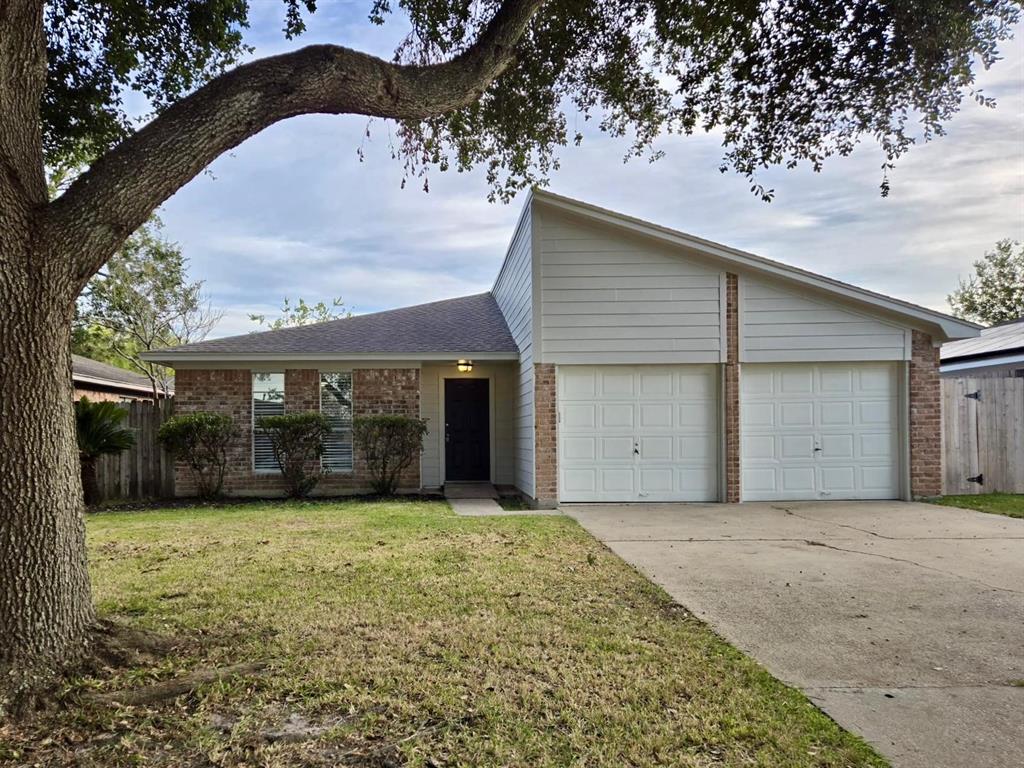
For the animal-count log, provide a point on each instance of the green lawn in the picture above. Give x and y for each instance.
(398, 634)
(1009, 504)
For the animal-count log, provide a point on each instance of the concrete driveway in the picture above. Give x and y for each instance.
(904, 622)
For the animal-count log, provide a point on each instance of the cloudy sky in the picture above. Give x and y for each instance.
(293, 212)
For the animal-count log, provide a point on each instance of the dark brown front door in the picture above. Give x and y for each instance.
(467, 430)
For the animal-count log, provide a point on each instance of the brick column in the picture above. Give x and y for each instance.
(301, 390)
(545, 432)
(731, 390)
(925, 418)
(391, 391)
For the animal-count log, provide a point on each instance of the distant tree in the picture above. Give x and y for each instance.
(302, 313)
(142, 301)
(995, 292)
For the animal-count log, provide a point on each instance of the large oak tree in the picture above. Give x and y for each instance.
(473, 82)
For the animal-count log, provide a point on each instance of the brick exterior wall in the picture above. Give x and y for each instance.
(731, 389)
(925, 418)
(374, 391)
(545, 428)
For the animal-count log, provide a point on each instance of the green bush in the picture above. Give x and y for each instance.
(201, 440)
(388, 445)
(297, 440)
(99, 431)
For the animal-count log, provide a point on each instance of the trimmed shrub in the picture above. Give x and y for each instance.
(297, 440)
(201, 440)
(99, 431)
(388, 445)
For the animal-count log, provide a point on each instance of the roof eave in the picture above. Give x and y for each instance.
(112, 383)
(965, 364)
(170, 357)
(949, 327)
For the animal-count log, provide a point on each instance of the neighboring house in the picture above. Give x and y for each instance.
(997, 353)
(101, 381)
(613, 360)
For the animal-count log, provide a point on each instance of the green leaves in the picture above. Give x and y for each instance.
(302, 313)
(201, 440)
(99, 429)
(790, 82)
(297, 440)
(388, 445)
(995, 293)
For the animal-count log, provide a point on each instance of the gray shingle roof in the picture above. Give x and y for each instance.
(469, 324)
(94, 369)
(999, 339)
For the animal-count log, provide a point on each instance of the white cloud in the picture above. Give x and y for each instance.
(294, 212)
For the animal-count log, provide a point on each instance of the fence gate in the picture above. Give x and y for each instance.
(144, 471)
(983, 435)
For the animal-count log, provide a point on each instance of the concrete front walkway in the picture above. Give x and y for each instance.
(904, 622)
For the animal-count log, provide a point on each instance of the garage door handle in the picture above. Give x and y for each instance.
(636, 449)
(817, 449)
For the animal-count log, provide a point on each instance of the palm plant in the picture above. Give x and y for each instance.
(99, 432)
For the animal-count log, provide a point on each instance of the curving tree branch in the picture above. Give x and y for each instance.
(119, 192)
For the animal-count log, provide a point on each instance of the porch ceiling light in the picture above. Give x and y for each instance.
(465, 366)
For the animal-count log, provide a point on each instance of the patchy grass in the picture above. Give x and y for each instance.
(513, 503)
(400, 635)
(1009, 504)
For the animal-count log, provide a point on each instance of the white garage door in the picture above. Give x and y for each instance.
(825, 431)
(638, 433)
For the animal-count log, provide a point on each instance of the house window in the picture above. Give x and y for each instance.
(267, 400)
(336, 405)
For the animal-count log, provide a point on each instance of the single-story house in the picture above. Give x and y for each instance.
(613, 360)
(102, 381)
(997, 353)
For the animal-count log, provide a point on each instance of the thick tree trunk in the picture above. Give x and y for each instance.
(45, 603)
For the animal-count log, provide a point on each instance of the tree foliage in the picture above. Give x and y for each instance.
(201, 440)
(99, 431)
(301, 313)
(783, 82)
(297, 440)
(388, 444)
(995, 292)
(143, 301)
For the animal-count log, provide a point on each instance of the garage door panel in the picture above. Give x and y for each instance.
(616, 416)
(833, 414)
(618, 448)
(797, 414)
(796, 382)
(837, 447)
(576, 415)
(656, 415)
(839, 439)
(654, 430)
(580, 449)
(616, 385)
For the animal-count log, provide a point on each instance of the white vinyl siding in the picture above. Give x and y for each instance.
(608, 297)
(638, 433)
(820, 431)
(504, 379)
(336, 406)
(513, 292)
(782, 325)
(267, 400)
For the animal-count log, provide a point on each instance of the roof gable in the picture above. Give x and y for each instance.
(942, 326)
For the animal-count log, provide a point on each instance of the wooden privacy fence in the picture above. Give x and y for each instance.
(983, 435)
(145, 471)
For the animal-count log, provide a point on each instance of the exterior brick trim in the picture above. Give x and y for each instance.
(545, 409)
(925, 417)
(374, 391)
(731, 390)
